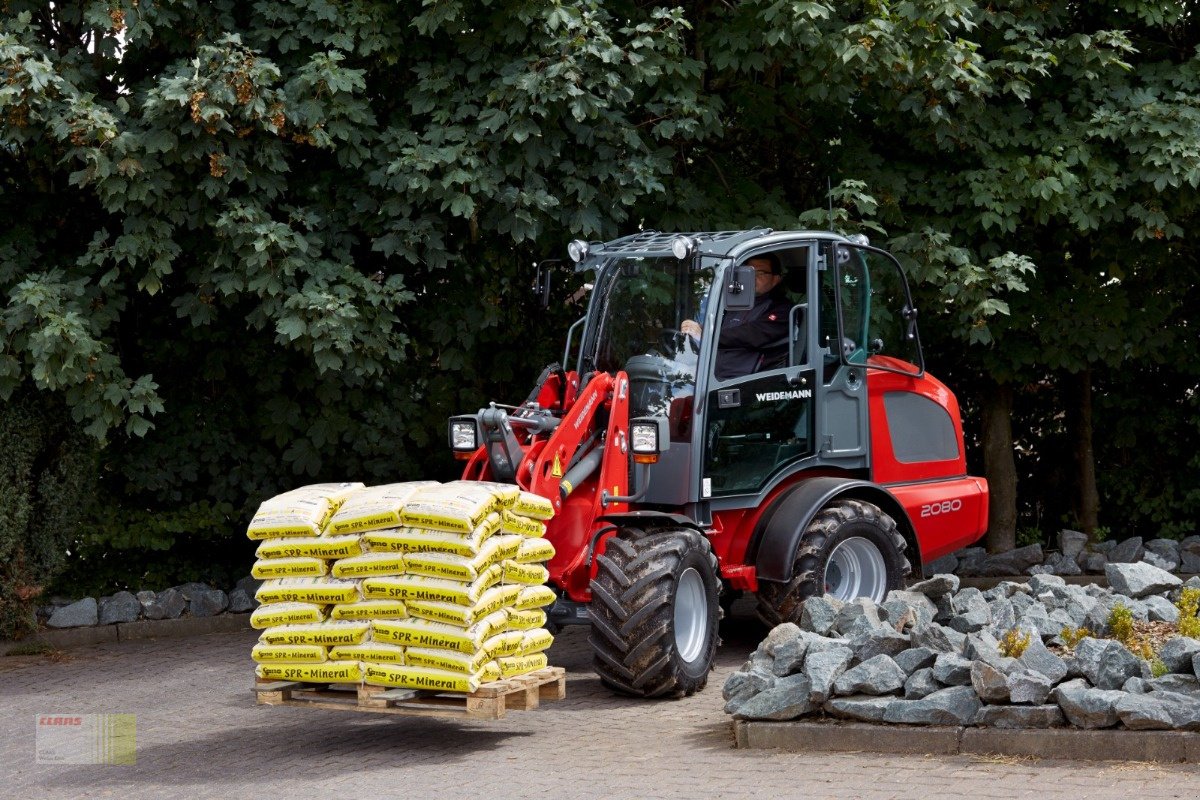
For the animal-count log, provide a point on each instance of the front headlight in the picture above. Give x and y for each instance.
(578, 250)
(644, 436)
(463, 435)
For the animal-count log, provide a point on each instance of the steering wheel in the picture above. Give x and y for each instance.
(674, 341)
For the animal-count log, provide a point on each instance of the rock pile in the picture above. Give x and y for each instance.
(1073, 557)
(933, 655)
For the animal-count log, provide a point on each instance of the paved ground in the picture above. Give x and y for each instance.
(200, 735)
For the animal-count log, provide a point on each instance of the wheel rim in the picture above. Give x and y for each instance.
(691, 615)
(856, 569)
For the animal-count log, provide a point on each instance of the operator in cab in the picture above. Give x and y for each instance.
(751, 339)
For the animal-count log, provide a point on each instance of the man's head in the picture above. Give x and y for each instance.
(768, 272)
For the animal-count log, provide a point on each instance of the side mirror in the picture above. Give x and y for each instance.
(739, 291)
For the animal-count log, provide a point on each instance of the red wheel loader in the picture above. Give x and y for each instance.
(835, 464)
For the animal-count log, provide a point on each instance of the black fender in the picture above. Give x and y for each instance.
(653, 519)
(778, 533)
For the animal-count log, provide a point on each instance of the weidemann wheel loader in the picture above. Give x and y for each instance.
(836, 466)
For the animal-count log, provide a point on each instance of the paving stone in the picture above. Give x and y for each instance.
(1040, 716)
(956, 705)
(1139, 580)
(915, 658)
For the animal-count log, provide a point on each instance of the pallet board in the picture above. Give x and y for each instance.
(489, 701)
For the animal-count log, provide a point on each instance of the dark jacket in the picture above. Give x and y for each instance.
(746, 336)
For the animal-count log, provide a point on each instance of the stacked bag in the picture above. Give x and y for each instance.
(417, 585)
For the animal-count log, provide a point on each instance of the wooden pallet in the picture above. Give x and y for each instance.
(489, 701)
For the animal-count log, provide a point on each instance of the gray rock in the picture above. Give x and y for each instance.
(1192, 582)
(897, 615)
(208, 602)
(922, 607)
(1088, 653)
(921, 684)
(818, 614)
(1136, 686)
(915, 658)
(743, 685)
(1184, 710)
(146, 597)
(971, 611)
(1179, 684)
(1014, 562)
(1040, 716)
(169, 604)
(969, 561)
(1189, 561)
(952, 670)
(1177, 654)
(936, 586)
(1155, 560)
(1166, 549)
(240, 602)
(1078, 608)
(1086, 707)
(819, 644)
(861, 707)
(823, 668)
(938, 638)
(1021, 602)
(1028, 688)
(1038, 658)
(1105, 546)
(1092, 563)
(1071, 543)
(956, 705)
(1039, 584)
(249, 585)
(1143, 712)
(1062, 564)
(880, 641)
(1127, 552)
(989, 683)
(189, 590)
(121, 607)
(1139, 580)
(1004, 616)
(1160, 609)
(1036, 618)
(945, 565)
(780, 634)
(851, 613)
(879, 675)
(787, 699)
(78, 614)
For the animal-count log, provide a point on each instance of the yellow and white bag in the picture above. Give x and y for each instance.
(370, 609)
(323, 633)
(534, 551)
(423, 540)
(307, 590)
(507, 643)
(459, 507)
(512, 666)
(534, 597)
(455, 567)
(425, 633)
(369, 565)
(533, 505)
(490, 602)
(433, 680)
(375, 507)
(274, 614)
(300, 512)
(288, 568)
(522, 526)
(535, 641)
(525, 574)
(525, 620)
(420, 587)
(327, 547)
(378, 652)
(292, 653)
(449, 660)
(329, 672)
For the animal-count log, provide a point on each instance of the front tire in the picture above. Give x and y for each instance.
(850, 549)
(654, 612)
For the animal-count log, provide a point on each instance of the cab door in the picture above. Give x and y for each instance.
(756, 425)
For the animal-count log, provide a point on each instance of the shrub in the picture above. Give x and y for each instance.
(1188, 605)
(1073, 636)
(1013, 643)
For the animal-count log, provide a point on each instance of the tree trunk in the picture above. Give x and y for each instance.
(1000, 468)
(1079, 419)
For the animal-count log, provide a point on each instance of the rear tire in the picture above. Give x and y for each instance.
(654, 612)
(850, 549)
